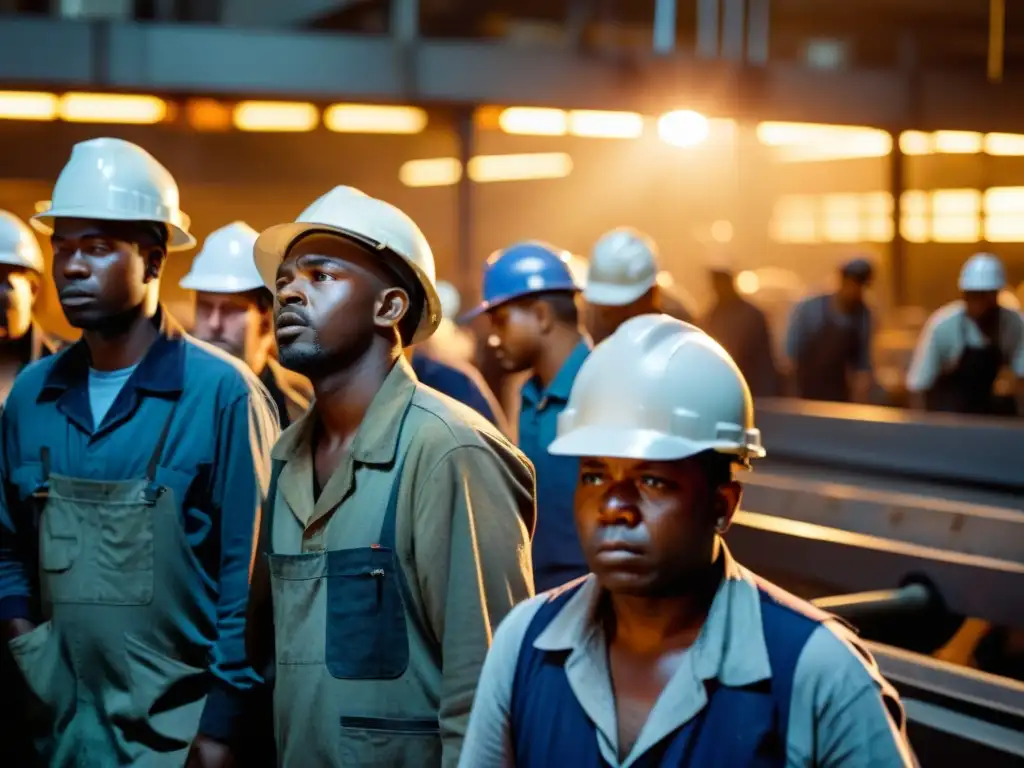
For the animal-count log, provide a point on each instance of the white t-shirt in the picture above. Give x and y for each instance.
(104, 387)
(948, 331)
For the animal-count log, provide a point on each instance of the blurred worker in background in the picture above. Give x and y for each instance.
(22, 341)
(144, 454)
(530, 297)
(234, 313)
(397, 532)
(622, 282)
(966, 344)
(828, 341)
(742, 329)
(671, 653)
(440, 363)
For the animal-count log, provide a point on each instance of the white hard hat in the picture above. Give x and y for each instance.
(658, 389)
(115, 180)
(450, 300)
(983, 272)
(18, 244)
(379, 226)
(225, 264)
(623, 267)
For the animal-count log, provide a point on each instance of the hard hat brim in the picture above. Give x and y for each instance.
(219, 284)
(609, 295)
(14, 260)
(981, 286)
(274, 243)
(487, 306)
(180, 238)
(640, 444)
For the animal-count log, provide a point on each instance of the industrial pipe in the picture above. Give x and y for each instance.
(860, 606)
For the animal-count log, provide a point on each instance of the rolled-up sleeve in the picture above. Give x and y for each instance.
(245, 435)
(473, 564)
(15, 528)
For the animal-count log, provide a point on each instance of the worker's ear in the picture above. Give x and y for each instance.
(725, 502)
(34, 284)
(155, 257)
(391, 306)
(544, 314)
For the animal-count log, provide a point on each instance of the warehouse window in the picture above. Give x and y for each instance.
(877, 213)
(914, 215)
(956, 215)
(842, 218)
(1004, 215)
(794, 219)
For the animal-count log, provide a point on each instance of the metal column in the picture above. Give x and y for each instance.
(468, 285)
(898, 250)
(707, 28)
(664, 26)
(405, 20)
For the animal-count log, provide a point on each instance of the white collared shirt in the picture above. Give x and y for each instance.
(838, 715)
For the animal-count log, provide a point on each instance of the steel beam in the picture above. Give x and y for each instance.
(946, 448)
(930, 521)
(956, 715)
(199, 59)
(969, 585)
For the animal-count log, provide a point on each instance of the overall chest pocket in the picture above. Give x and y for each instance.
(366, 636)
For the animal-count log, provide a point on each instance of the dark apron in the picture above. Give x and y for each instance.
(967, 388)
(342, 659)
(823, 363)
(115, 682)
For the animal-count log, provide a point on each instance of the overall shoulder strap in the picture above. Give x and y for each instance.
(787, 626)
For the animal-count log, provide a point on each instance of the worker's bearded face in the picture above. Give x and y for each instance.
(646, 527)
(18, 289)
(329, 306)
(104, 271)
(237, 323)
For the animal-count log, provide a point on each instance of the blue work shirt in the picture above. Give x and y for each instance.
(557, 555)
(216, 461)
(459, 384)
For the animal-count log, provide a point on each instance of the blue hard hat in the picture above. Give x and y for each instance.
(523, 269)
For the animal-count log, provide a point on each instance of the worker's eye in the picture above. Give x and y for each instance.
(591, 478)
(96, 248)
(656, 483)
(322, 277)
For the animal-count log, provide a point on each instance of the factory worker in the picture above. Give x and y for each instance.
(234, 313)
(22, 341)
(397, 535)
(624, 280)
(828, 341)
(742, 329)
(967, 343)
(132, 463)
(671, 653)
(529, 295)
